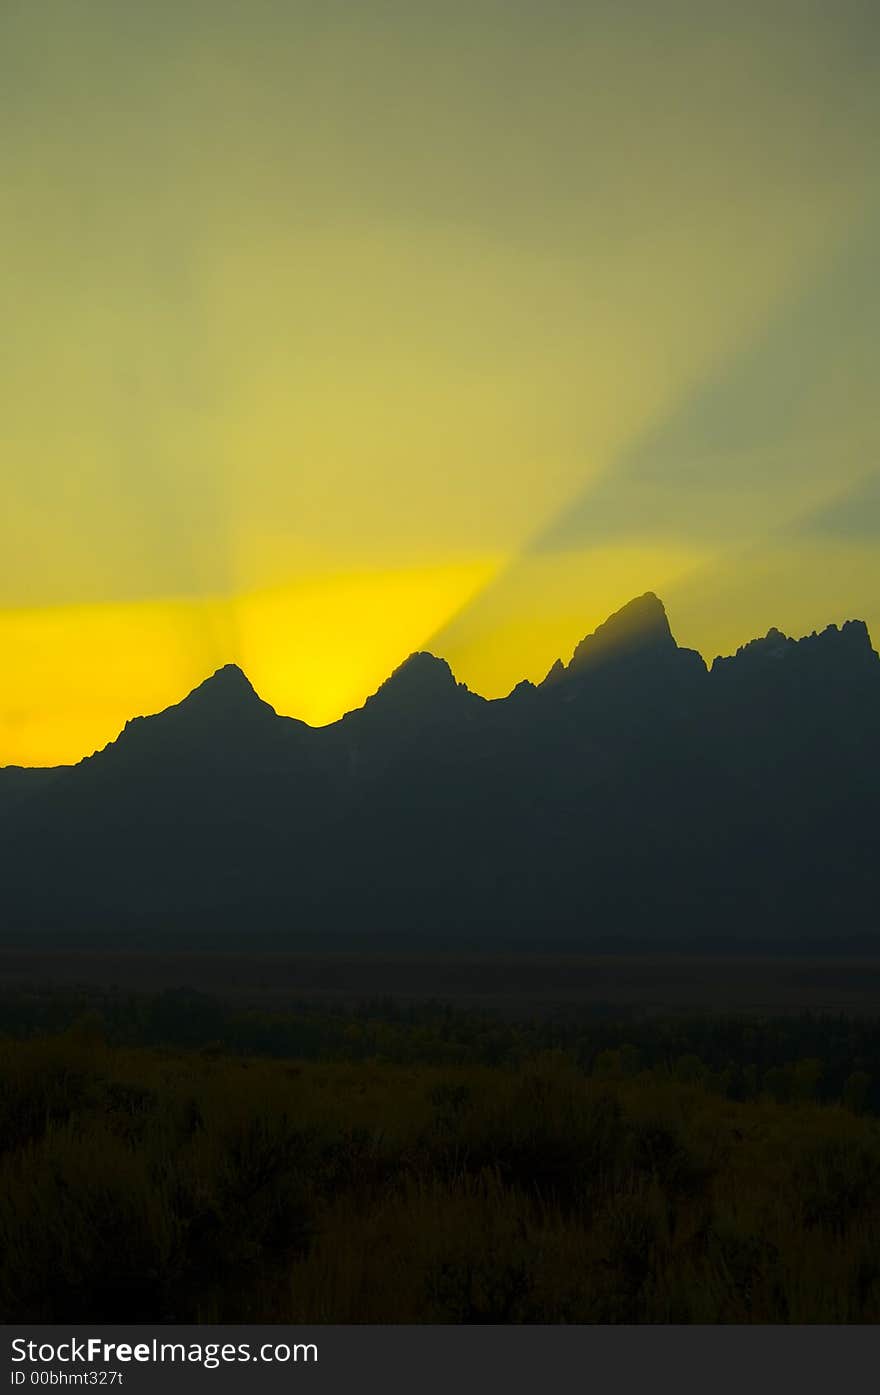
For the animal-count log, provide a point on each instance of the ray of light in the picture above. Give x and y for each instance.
(771, 434)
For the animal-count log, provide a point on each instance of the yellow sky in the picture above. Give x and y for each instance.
(337, 330)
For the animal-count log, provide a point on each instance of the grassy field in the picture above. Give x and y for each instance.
(147, 1184)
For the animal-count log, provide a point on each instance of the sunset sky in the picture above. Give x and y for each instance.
(335, 329)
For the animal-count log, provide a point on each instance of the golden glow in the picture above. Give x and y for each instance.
(317, 650)
(70, 677)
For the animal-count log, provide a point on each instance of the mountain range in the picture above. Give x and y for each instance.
(634, 794)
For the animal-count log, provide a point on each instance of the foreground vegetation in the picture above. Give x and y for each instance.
(832, 1059)
(157, 1184)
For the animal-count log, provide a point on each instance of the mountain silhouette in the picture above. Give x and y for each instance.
(638, 635)
(422, 689)
(634, 794)
(227, 695)
(639, 631)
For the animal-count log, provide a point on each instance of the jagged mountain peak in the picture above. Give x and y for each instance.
(524, 688)
(223, 713)
(225, 700)
(639, 626)
(227, 690)
(834, 648)
(639, 629)
(421, 678)
(554, 674)
(228, 676)
(856, 633)
(775, 644)
(422, 666)
(852, 636)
